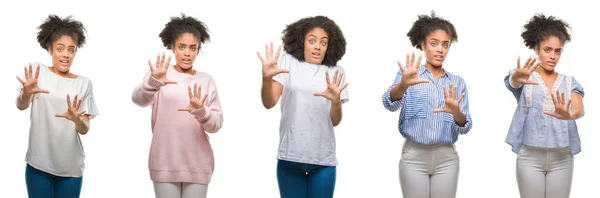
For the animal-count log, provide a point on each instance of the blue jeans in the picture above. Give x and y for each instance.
(300, 180)
(44, 185)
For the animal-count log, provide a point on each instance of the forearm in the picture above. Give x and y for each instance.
(336, 112)
(82, 125)
(23, 101)
(460, 119)
(513, 82)
(266, 93)
(143, 94)
(397, 92)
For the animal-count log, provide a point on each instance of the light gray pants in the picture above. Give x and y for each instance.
(544, 172)
(428, 171)
(180, 190)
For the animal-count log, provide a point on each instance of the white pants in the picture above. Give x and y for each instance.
(180, 190)
(544, 172)
(428, 171)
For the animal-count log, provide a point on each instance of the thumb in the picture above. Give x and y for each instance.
(183, 109)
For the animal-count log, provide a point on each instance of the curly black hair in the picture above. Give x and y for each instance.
(181, 25)
(425, 25)
(54, 27)
(293, 38)
(540, 27)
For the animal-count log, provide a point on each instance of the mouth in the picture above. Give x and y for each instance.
(438, 57)
(186, 61)
(551, 63)
(316, 55)
(64, 62)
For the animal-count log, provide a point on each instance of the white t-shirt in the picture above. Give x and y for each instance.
(306, 132)
(54, 144)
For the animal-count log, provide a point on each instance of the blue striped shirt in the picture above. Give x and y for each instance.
(417, 120)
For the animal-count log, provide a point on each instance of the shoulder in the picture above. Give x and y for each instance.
(455, 78)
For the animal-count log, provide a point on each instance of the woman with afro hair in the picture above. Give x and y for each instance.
(311, 104)
(543, 131)
(62, 105)
(434, 111)
(185, 107)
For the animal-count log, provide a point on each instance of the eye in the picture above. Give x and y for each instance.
(547, 50)
(72, 51)
(558, 52)
(446, 45)
(433, 44)
(324, 43)
(193, 49)
(59, 49)
(311, 41)
(181, 48)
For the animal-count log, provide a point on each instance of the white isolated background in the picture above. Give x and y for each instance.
(123, 35)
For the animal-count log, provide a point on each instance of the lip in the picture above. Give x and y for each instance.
(186, 61)
(316, 54)
(438, 57)
(551, 63)
(64, 62)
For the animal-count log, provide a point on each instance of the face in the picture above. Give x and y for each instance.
(186, 48)
(549, 52)
(315, 46)
(63, 52)
(436, 46)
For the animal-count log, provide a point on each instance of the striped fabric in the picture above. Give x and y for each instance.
(417, 120)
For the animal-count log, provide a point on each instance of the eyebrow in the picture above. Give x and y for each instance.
(317, 37)
(179, 44)
(548, 47)
(65, 45)
(439, 40)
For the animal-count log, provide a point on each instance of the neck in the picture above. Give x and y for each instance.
(544, 72)
(435, 70)
(185, 71)
(66, 74)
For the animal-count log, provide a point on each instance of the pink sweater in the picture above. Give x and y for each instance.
(180, 150)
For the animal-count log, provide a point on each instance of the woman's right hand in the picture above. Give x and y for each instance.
(269, 62)
(522, 73)
(410, 74)
(30, 84)
(159, 70)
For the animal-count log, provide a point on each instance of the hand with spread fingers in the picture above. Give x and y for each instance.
(561, 107)
(410, 74)
(159, 69)
(196, 99)
(333, 88)
(72, 112)
(451, 104)
(30, 84)
(269, 62)
(522, 73)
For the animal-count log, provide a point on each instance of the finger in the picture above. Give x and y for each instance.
(81, 113)
(21, 80)
(320, 94)
(454, 92)
(445, 92)
(423, 81)
(150, 65)
(562, 98)
(412, 59)
(79, 103)
(461, 97)
(157, 63)
(530, 82)
(170, 82)
(527, 62)
(335, 78)
(278, 52)
(183, 109)
(196, 90)
(199, 91)
(518, 62)
(535, 67)
(69, 100)
(327, 77)
(419, 61)
(344, 87)
(558, 98)
(533, 61)
(190, 93)
(340, 79)
(60, 115)
(37, 72)
(279, 71)
(168, 63)
(30, 71)
(26, 72)
(400, 65)
(568, 104)
(162, 61)
(551, 114)
(75, 100)
(553, 98)
(260, 57)
(267, 56)
(439, 110)
(41, 91)
(407, 60)
(204, 99)
(271, 50)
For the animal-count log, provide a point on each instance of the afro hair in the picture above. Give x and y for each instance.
(294, 34)
(540, 27)
(426, 25)
(54, 27)
(181, 25)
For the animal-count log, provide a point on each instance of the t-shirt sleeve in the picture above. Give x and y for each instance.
(344, 95)
(577, 88)
(88, 104)
(284, 62)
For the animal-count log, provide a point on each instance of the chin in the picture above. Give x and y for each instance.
(63, 69)
(185, 66)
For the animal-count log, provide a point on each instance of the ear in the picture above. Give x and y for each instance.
(50, 51)
(173, 49)
(423, 46)
(537, 50)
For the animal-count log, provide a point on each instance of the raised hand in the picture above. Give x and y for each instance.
(333, 88)
(269, 62)
(30, 84)
(73, 112)
(196, 101)
(451, 104)
(561, 109)
(523, 73)
(410, 75)
(159, 72)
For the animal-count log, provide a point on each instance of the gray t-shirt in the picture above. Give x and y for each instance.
(306, 132)
(54, 144)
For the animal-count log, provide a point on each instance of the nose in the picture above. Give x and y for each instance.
(552, 55)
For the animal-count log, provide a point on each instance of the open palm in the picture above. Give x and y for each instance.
(333, 88)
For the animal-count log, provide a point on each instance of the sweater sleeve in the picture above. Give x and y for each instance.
(211, 115)
(143, 95)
